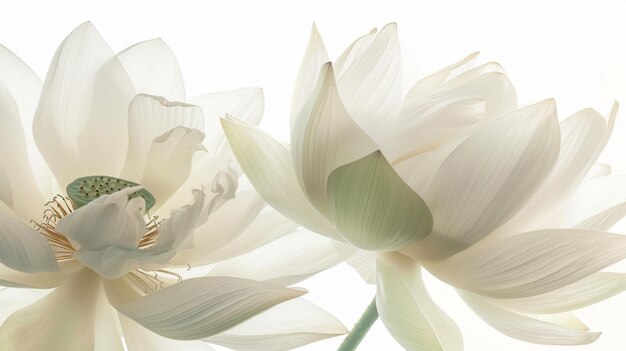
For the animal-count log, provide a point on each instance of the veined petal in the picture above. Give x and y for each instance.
(588, 291)
(409, 313)
(148, 118)
(24, 249)
(153, 69)
(324, 138)
(354, 51)
(583, 137)
(80, 124)
(373, 208)
(202, 307)
(265, 228)
(371, 87)
(245, 104)
(139, 338)
(531, 263)
(17, 174)
(489, 178)
(287, 260)
(269, 166)
(108, 334)
(314, 57)
(604, 220)
(14, 299)
(25, 88)
(561, 329)
(63, 320)
(283, 327)
(168, 161)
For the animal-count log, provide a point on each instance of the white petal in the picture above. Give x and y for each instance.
(266, 227)
(364, 262)
(168, 162)
(153, 69)
(531, 263)
(149, 117)
(63, 320)
(489, 177)
(245, 104)
(108, 333)
(583, 137)
(434, 81)
(25, 88)
(139, 338)
(201, 307)
(80, 124)
(269, 166)
(539, 329)
(24, 249)
(590, 290)
(604, 220)
(598, 169)
(283, 327)
(409, 313)
(24, 199)
(314, 57)
(323, 138)
(287, 260)
(354, 51)
(373, 208)
(371, 86)
(14, 299)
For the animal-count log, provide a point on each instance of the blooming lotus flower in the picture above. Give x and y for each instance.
(118, 147)
(450, 175)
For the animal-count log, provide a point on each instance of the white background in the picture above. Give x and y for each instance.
(574, 51)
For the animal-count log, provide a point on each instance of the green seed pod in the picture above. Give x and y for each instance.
(86, 189)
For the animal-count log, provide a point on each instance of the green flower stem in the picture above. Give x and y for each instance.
(360, 329)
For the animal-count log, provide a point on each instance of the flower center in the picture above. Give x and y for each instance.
(86, 189)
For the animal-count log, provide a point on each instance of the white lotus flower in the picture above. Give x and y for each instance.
(452, 176)
(117, 273)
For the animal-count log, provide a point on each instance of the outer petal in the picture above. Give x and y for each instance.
(168, 163)
(287, 260)
(314, 57)
(373, 208)
(25, 198)
(539, 329)
(590, 290)
(149, 117)
(531, 263)
(283, 327)
(489, 178)
(371, 86)
(14, 299)
(63, 320)
(269, 167)
(24, 249)
(139, 338)
(153, 69)
(364, 262)
(604, 220)
(245, 104)
(80, 124)
(407, 310)
(201, 307)
(323, 138)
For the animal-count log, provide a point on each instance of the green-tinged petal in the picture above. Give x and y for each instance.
(283, 327)
(153, 69)
(532, 263)
(268, 165)
(202, 307)
(409, 313)
(373, 208)
(323, 138)
(548, 329)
